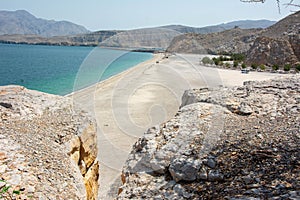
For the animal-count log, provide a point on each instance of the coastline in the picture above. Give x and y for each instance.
(127, 104)
(155, 57)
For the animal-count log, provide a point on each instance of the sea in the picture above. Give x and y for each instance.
(62, 70)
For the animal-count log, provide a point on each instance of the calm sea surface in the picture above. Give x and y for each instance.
(62, 70)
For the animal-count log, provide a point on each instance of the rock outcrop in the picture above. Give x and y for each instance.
(226, 143)
(40, 135)
(295, 41)
(230, 41)
(269, 51)
(284, 28)
(277, 44)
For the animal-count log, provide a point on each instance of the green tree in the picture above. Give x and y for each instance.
(298, 67)
(216, 61)
(254, 66)
(275, 67)
(235, 64)
(244, 66)
(287, 67)
(238, 57)
(206, 60)
(262, 67)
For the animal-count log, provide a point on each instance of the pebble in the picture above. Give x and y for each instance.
(3, 168)
(211, 163)
(247, 179)
(2, 156)
(30, 189)
(2, 184)
(202, 174)
(215, 176)
(15, 179)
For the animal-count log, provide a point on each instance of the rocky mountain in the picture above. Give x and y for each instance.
(22, 27)
(243, 24)
(277, 44)
(162, 36)
(142, 38)
(286, 27)
(226, 143)
(48, 147)
(229, 41)
(22, 22)
(272, 51)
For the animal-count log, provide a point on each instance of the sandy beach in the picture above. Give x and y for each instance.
(126, 105)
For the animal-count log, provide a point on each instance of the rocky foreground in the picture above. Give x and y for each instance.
(40, 135)
(237, 143)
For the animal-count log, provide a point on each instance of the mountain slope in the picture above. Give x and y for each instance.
(285, 27)
(230, 41)
(277, 44)
(243, 24)
(22, 22)
(142, 38)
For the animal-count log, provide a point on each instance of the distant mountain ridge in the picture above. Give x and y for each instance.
(89, 39)
(242, 24)
(24, 23)
(142, 38)
(275, 45)
(162, 36)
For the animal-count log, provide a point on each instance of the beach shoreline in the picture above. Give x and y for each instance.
(156, 56)
(127, 104)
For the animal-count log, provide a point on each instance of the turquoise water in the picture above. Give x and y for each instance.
(60, 69)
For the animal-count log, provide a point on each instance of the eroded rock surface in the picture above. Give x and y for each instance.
(39, 133)
(228, 143)
(269, 51)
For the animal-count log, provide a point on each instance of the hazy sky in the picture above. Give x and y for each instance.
(128, 14)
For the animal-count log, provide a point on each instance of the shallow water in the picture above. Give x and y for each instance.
(61, 69)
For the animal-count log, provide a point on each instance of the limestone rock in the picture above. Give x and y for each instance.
(215, 176)
(43, 141)
(221, 140)
(245, 109)
(184, 168)
(269, 51)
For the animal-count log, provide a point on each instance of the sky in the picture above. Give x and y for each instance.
(131, 14)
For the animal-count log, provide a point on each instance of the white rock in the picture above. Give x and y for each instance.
(15, 179)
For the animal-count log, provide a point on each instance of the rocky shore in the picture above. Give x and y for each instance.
(48, 150)
(226, 143)
(223, 143)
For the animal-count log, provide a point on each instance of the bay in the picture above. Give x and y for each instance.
(62, 69)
